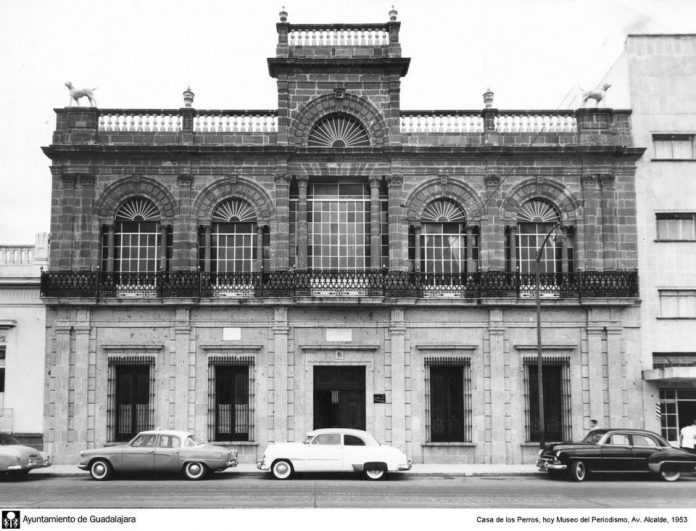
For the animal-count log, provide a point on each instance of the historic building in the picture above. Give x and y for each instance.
(252, 275)
(656, 76)
(22, 340)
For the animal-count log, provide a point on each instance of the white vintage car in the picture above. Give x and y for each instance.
(334, 450)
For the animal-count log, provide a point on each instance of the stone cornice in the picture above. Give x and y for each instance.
(393, 65)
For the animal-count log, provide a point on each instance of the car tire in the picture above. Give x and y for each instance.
(282, 469)
(669, 475)
(578, 471)
(373, 472)
(195, 470)
(100, 469)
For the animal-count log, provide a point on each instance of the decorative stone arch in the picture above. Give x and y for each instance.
(230, 187)
(550, 190)
(116, 194)
(444, 188)
(338, 102)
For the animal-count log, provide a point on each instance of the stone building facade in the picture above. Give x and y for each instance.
(22, 340)
(252, 275)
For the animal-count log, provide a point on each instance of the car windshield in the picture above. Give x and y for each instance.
(7, 439)
(594, 436)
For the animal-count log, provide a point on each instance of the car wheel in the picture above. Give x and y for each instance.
(373, 473)
(578, 471)
(194, 470)
(282, 469)
(100, 469)
(670, 475)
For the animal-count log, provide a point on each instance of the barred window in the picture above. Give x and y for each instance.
(230, 398)
(676, 226)
(130, 396)
(448, 399)
(556, 387)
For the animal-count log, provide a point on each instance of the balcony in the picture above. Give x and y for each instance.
(338, 283)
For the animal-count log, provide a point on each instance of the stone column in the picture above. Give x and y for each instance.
(564, 249)
(110, 251)
(593, 234)
(280, 257)
(207, 235)
(609, 221)
(398, 231)
(163, 247)
(417, 257)
(397, 331)
(512, 234)
(279, 414)
(302, 223)
(470, 266)
(375, 229)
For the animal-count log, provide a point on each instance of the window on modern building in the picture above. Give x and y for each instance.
(233, 239)
(230, 390)
(130, 400)
(338, 130)
(444, 245)
(675, 146)
(136, 244)
(2, 377)
(556, 387)
(534, 221)
(678, 303)
(676, 226)
(448, 399)
(677, 409)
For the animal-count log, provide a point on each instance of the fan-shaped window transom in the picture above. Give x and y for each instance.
(339, 130)
(138, 209)
(537, 211)
(443, 211)
(234, 210)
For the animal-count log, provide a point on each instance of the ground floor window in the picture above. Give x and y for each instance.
(447, 399)
(230, 398)
(556, 387)
(677, 409)
(131, 397)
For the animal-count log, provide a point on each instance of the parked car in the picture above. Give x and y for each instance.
(334, 450)
(616, 451)
(158, 451)
(16, 459)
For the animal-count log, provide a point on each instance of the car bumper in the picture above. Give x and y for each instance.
(544, 465)
(262, 465)
(31, 465)
(232, 462)
(405, 467)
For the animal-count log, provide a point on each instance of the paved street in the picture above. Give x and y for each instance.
(257, 491)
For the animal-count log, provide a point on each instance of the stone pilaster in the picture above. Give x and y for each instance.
(497, 442)
(617, 383)
(185, 235)
(375, 229)
(302, 223)
(593, 233)
(397, 331)
(279, 414)
(280, 245)
(609, 221)
(182, 334)
(492, 241)
(398, 231)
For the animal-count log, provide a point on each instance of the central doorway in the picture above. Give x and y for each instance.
(339, 397)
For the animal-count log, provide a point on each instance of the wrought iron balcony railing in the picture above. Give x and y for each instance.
(338, 283)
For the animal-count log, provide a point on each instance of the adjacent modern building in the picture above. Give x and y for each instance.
(22, 340)
(656, 75)
(340, 261)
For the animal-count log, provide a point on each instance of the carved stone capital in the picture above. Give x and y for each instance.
(375, 181)
(184, 180)
(588, 180)
(281, 179)
(606, 180)
(395, 180)
(492, 180)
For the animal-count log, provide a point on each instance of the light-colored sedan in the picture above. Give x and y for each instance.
(158, 451)
(334, 450)
(17, 459)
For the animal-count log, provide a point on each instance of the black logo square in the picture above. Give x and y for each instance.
(10, 520)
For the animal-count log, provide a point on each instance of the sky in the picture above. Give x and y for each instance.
(534, 54)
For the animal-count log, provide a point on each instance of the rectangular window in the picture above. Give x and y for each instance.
(448, 399)
(556, 388)
(678, 303)
(678, 146)
(130, 396)
(230, 398)
(676, 226)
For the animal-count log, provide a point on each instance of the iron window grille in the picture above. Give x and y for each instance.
(125, 418)
(448, 415)
(557, 408)
(231, 398)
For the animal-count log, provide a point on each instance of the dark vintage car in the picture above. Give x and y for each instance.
(616, 451)
(158, 451)
(16, 459)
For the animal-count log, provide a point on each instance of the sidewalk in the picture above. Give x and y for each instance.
(432, 470)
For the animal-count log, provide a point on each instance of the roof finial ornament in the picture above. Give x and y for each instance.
(488, 98)
(283, 15)
(392, 14)
(188, 97)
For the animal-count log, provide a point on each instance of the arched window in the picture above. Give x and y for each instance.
(338, 130)
(137, 244)
(233, 237)
(534, 221)
(443, 238)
